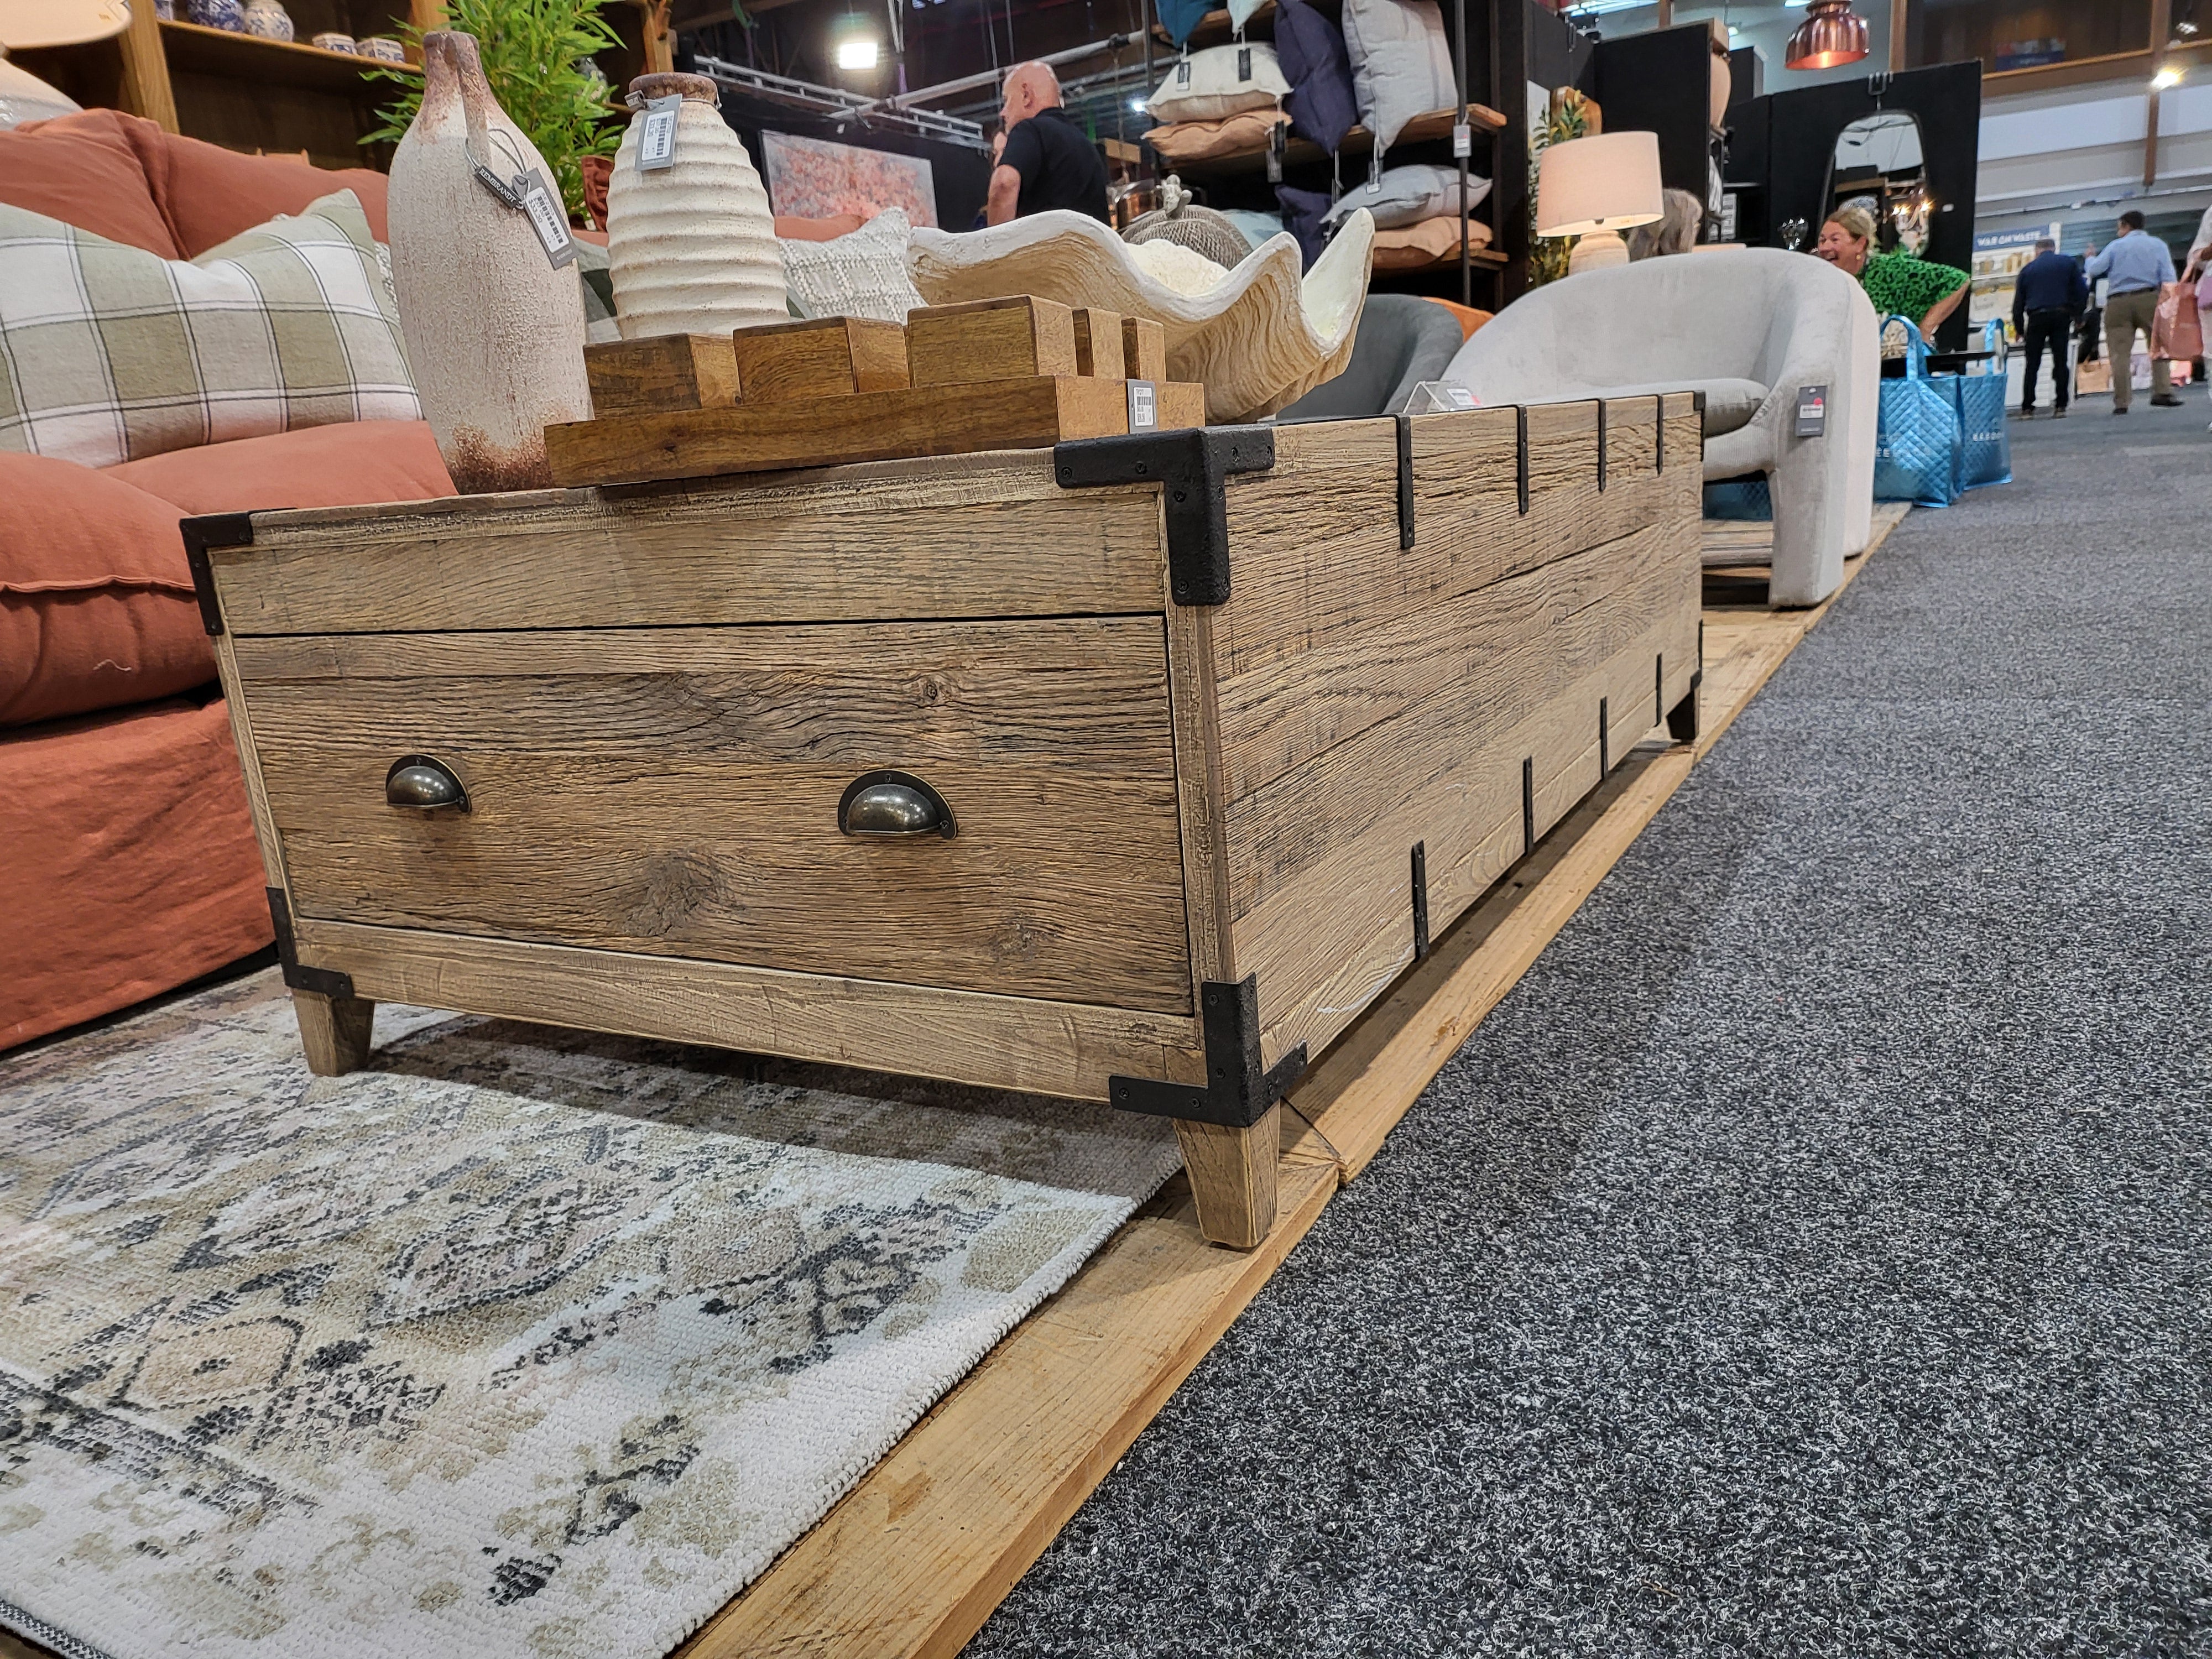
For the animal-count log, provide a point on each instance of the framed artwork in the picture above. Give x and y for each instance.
(815, 179)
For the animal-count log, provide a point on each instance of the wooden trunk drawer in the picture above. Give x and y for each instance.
(675, 791)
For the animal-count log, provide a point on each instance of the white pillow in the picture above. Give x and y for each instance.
(1220, 82)
(1400, 64)
(1409, 194)
(109, 353)
(861, 274)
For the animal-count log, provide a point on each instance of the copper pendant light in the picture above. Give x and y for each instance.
(1832, 34)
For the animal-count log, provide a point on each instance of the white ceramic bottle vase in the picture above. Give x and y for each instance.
(692, 247)
(495, 331)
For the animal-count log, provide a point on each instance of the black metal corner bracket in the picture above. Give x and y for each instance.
(1521, 462)
(1659, 434)
(322, 982)
(1601, 446)
(1604, 742)
(1420, 901)
(1238, 1089)
(1190, 466)
(1527, 805)
(212, 529)
(1682, 718)
(1698, 403)
(1404, 482)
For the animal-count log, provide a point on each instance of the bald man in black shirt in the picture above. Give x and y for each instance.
(1048, 162)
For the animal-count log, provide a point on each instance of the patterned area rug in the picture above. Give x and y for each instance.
(521, 1342)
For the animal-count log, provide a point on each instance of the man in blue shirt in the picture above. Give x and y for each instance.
(2136, 265)
(2047, 298)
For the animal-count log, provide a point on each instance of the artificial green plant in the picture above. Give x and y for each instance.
(536, 54)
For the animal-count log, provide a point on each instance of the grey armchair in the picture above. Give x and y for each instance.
(1747, 327)
(1403, 340)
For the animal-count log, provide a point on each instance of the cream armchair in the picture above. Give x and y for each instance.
(1747, 327)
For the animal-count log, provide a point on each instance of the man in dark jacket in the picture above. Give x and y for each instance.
(1047, 161)
(2047, 300)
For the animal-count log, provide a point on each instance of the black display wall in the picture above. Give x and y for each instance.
(1797, 132)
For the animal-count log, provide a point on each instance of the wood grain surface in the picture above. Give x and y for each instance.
(675, 792)
(819, 357)
(1031, 413)
(887, 540)
(981, 341)
(1062, 1049)
(669, 371)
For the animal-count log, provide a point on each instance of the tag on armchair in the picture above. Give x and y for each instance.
(1812, 411)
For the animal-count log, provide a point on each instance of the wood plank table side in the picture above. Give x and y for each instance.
(913, 1560)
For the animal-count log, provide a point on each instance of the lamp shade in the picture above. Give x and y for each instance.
(1832, 34)
(25, 24)
(1609, 182)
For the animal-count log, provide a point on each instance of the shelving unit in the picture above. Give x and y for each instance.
(289, 97)
(1238, 179)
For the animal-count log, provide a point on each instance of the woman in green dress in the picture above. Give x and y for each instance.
(1899, 284)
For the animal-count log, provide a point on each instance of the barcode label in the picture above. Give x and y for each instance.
(547, 219)
(656, 139)
(1243, 62)
(1182, 72)
(1144, 406)
(1462, 140)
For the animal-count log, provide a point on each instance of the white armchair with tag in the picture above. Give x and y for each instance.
(1755, 330)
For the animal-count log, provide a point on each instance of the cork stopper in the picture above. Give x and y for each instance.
(696, 87)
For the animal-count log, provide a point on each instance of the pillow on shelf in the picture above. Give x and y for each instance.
(1198, 141)
(1259, 228)
(108, 353)
(1401, 64)
(1221, 81)
(861, 274)
(1409, 194)
(1310, 49)
(1416, 247)
(1302, 212)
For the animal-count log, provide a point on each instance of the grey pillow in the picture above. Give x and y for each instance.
(1410, 194)
(1400, 65)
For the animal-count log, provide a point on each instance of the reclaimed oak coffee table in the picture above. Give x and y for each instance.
(1130, 770)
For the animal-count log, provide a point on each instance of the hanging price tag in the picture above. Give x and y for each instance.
(1462, 141)
(656, 139)
(1243, 62)
(543, 208)
(1183, 71)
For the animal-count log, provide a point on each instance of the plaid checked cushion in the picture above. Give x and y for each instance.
(108, 353)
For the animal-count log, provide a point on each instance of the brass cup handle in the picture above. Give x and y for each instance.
(894, 804)
(419, 783)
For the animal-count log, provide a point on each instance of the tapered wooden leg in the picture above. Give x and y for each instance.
(334, 1030)
(1232, 1176)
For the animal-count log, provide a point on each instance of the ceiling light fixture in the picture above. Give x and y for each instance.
(1831, 35)
(857, 52)
(2168, 77)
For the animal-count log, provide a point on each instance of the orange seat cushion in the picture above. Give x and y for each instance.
(85, 171)
(210, 194)
(353, 465)
(131, 865)
(96, 602)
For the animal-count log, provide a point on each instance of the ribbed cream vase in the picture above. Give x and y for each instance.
(494, 332)
(692, 247)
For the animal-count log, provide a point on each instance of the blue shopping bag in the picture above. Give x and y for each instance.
(1748, 499)
(1985, 454)
(1918, 445)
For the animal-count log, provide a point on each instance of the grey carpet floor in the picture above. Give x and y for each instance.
(1811, 1256)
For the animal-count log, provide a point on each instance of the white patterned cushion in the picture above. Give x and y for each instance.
(861, 274)
(109, 353)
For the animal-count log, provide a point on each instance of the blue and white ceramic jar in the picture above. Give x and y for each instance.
(220, 15)
(269, 20)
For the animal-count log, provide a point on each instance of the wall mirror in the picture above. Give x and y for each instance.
(1879, 163)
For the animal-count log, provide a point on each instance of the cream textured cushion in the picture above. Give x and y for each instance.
(1400, 64)
(1208, 85)
(110, 353)
(861, 274)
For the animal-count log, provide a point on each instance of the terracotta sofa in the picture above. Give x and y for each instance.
(130, 862)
